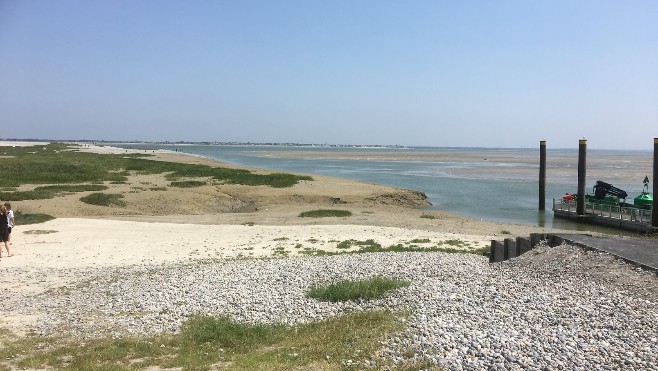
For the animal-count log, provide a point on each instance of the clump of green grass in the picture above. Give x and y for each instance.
(344, 244)
(373, 288)
(24, 219)
(323, 213)
(428, 216)
(316, 252)
(73, 188)
(51, 191)
(413, 248)
(158, 188)
(505, 232)
(458, 243)
(188, 183)
(480, 250)
(420, 240)
(226, 333)
(205, 342)
(27, 195)
(280, 251)
(104, 199)
(40, 231)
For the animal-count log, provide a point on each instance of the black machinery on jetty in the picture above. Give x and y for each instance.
(608, 207)
(609, 195)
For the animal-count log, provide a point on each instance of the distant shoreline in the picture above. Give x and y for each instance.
(25, 142)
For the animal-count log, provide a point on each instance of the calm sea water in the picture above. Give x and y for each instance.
(491, 184)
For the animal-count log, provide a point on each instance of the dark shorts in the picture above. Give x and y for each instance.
(9, 228)
(4, 236)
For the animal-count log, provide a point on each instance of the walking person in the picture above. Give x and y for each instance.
(4, 230)
(10, 219)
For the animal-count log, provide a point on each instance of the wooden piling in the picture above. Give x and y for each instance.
(654, 213)
(582, 162)
(542, 175)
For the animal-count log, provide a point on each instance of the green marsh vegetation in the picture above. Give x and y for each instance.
(217, 342)
(346, 244)
(104, 199)
(324, 213)
(188, 183)
(62, 169)
(50, 191)
(26, 219)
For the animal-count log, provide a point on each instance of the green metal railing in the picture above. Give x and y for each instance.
(629, 213)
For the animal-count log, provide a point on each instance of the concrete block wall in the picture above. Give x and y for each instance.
(511, 248)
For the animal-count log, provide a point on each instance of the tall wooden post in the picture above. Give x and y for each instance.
(654, 212)
(582, 165)
(542, 175)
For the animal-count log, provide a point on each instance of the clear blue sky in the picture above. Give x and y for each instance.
(436, 73)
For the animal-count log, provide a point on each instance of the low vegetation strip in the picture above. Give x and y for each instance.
(59, 163)
(323, 213)
(51, 191)
(206, 342)
(188, 184)
(371, 246)
(104, 199)
(32, 218)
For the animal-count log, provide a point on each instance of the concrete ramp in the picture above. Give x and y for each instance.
(641, 252)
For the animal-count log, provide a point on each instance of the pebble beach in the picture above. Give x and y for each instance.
(551, 309)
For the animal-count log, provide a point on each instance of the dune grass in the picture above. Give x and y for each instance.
(188, 183)
(324, 213)
(104, 199)
(25, 219)
(372, 288)
(204, 343)
(51, 191)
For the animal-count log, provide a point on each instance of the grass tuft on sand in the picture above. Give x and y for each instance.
(25, 219)
(324, 213)
(372, 288)
(104, 199)
(205, 343)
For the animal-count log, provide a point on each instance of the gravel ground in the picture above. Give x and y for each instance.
(550, 309)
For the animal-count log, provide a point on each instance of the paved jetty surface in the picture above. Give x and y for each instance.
(639, 251)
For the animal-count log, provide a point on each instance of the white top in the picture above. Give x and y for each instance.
(10, 218)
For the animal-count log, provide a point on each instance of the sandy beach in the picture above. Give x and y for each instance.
(171, 225)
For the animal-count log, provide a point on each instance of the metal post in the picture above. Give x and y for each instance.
(542, 175)
(654, 210)
(582, 161)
